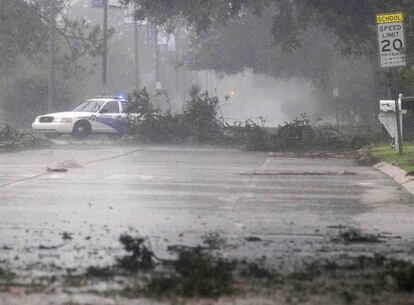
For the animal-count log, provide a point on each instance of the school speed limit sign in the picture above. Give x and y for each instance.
(391, 40)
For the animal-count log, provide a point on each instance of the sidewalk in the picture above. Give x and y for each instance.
(398, 174)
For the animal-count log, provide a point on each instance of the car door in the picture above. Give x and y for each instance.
(110, 118)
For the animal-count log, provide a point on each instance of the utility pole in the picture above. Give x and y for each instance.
(105, 45)
(136, 56)
(52, 56)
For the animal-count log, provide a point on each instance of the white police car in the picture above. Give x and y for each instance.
(101, 115)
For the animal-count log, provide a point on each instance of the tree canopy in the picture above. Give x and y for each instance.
(352, 21)
(27, 34)
(24, 44)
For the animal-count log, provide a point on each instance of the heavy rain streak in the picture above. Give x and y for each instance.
(235, 152)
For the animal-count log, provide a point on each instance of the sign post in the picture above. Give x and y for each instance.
(391, 43)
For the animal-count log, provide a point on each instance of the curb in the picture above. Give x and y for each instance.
(398, 174)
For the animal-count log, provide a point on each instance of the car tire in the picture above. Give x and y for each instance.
(81, 130)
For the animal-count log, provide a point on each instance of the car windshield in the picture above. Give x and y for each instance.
(89, 106)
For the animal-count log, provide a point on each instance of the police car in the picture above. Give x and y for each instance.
(100, 115)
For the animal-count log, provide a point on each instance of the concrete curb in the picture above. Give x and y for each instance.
(398, 174)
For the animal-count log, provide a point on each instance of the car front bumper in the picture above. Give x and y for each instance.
(52, 127)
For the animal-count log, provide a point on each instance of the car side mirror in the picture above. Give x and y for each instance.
(104, 111)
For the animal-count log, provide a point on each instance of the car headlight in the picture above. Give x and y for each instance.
(63, 120)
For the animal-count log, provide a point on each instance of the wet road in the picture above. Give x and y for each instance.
(262, 205)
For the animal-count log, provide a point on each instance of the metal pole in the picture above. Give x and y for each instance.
(136, 56)
(397, 112)
(185, 89)
(210, 85)
(52, 56)
(215, 83)
(184, 70)
(105, 45)
(157, 56)
(206, 81)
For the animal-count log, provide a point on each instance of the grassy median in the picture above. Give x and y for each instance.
(390, 155)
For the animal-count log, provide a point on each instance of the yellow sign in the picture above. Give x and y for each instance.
(390, 18)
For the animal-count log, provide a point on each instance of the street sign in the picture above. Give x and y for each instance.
(391, 40)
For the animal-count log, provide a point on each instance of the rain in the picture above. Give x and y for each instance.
(206, 152)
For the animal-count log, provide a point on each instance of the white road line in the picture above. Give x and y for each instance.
(86, 163)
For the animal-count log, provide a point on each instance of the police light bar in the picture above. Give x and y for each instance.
(117, 97)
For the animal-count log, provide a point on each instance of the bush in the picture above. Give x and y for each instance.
(200, 117)
(151, 126)
(198, 123)
(250, 135)
(139, 256)
(196, 273)
(12, 139)
(403, 273)
(297, 135)
(140, 102)
(160, 128)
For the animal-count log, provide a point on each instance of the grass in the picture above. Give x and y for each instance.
(390, 155)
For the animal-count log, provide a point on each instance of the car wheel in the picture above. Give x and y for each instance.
(81, 130)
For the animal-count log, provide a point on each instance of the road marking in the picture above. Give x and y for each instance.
(86, 163)
(113, 157)
(366, 184)
(23, 179)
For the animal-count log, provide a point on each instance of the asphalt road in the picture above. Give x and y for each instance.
(290, 210)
